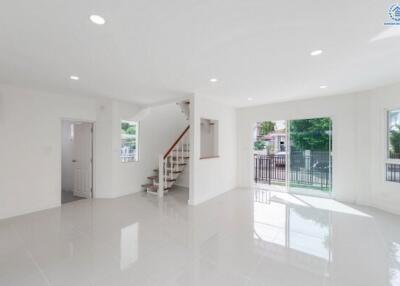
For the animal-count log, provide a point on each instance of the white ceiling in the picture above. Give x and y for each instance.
(152, 51)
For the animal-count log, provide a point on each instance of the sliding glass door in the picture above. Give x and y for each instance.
(310, 156)
(294, 155)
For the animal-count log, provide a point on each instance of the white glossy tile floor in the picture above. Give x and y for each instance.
(240, 238)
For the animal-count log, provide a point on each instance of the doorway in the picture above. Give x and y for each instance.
(76, 161)
(294, 155)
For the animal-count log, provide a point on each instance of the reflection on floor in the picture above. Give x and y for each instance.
(293, 190)
(242, 237)
(67, 197)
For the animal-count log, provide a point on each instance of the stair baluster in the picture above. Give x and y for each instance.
(170, 166)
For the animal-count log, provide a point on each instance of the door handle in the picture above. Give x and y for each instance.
(73, 161)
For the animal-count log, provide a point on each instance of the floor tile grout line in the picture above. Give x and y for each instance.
(39, 268)
(30, 255)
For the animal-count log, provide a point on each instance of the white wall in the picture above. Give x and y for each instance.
(183, 179)
(30, 146)
(67, 178)
(211, 177)
(358, 142)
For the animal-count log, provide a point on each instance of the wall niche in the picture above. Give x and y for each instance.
(209, 138)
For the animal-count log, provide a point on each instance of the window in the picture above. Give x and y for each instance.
(129, 141)
(393, 146)
(394, 134)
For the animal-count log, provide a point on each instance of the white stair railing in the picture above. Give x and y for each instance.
(169, 165)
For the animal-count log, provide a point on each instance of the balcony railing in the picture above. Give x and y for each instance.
(310, 170)
(393, 173)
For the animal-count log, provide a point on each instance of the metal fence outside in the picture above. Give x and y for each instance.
(310, 169)
(393, 173)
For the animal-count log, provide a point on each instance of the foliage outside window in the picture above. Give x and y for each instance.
(393, 147)
(129, 141)
(259, 145)
(311, 134)
(270, 137)
(394, 134)
(267, 127)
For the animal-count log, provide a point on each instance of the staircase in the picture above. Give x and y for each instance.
(171, 166)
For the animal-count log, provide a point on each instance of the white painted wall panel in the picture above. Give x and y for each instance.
(211, 177)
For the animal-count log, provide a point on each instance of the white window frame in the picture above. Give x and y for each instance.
(388, 160)
(137, 137)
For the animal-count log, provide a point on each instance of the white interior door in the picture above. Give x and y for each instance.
(82, 160)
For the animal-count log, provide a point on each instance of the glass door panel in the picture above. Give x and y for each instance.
(310, 156)
(270, 153)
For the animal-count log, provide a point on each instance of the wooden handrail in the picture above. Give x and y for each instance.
(176, 142)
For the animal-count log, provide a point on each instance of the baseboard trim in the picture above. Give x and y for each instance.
(31, 210)
(207, 198)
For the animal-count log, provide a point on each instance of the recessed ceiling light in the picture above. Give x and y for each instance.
(316, 53)
(74, 77)
(249, 98)
(213, 79)
(97, 19)
(323, 86)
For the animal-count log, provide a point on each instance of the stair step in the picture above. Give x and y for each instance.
(168, 167)
(169, 171)
(155, 179)
(168, 181)
(178, 157)
(174, 163)
(147, 186)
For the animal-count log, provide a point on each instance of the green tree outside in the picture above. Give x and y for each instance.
(259, 145)
(131, 130)
(267, 127)
(310, 134)
(128, 128)
(394, 139)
